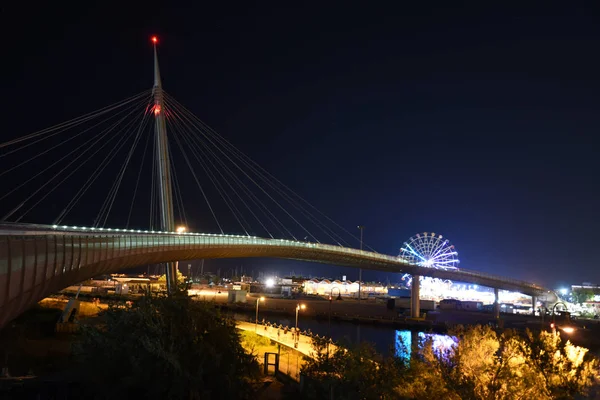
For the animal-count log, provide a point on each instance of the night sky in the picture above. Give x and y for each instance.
(479, 124)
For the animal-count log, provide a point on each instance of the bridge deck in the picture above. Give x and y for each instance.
(37, 260)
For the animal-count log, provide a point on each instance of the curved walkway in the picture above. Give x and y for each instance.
(304, 342)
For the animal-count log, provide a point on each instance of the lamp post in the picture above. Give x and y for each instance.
(362, 228)
(330, 300)
(256, 320)
(298, 308)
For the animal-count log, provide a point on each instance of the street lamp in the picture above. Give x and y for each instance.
(298, 308)
(180, 229)
(330, 300)
(568, 329)
(362, 228)
(256, 321)
(339, 297)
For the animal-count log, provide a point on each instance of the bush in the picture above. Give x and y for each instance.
(487, 365)
(253, 340)
(166, 347)
(481, 364)
(350, 373)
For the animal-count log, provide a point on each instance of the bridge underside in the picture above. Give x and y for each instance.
(36, 265)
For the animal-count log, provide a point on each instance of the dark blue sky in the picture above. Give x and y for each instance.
(480, 124)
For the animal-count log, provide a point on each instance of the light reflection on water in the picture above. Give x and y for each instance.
(406, 340)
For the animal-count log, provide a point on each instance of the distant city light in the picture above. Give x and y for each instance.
(564, 291)
(270, 282)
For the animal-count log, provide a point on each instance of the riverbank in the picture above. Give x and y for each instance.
(586, 333)
(367, 312)
(40, 360)
(352, 311)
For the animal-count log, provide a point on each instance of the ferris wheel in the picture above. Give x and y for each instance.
(430, 250)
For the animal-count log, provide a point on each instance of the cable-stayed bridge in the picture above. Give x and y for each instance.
(119, 164)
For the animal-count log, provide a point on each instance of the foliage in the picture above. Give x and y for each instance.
(253, 341)
(481, 364)
(165, 347)
(563, 367)
(582, 295)
(350, 374)
(180, 278)
(588, 313)
(485, 365)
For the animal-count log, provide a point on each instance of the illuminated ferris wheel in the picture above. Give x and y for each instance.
(430, 250)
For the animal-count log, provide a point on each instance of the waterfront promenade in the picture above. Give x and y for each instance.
(304, 341)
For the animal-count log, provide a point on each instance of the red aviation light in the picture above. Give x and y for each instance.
(154, 39)
(156, 109)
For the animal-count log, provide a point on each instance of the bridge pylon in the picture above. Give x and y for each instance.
(167, 221)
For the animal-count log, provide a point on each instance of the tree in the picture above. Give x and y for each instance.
(487, 365)
(480, 364)
(166, 347)
(180, 278)
(565, 369)
(350, 373)
(582, 295)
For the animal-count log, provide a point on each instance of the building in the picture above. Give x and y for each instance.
(586, 292)
(586, 286)
(345, 288)
(273, 290)
(119, 284)
(236, 296)
(135, 285)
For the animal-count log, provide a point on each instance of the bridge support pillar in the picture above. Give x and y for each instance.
(415, 304)
(533, 304)
(496, 303)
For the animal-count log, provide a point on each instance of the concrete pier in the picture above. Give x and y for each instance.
(496, 303)
(415, 304)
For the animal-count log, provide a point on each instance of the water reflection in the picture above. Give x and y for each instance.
(403, 344)
(408, 341)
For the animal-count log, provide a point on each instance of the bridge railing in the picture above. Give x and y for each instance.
(227, 239)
